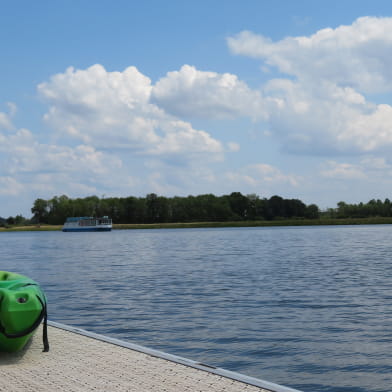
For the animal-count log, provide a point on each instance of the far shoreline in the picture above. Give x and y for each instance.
(189, 225)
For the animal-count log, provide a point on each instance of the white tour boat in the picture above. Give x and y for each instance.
(87, 223)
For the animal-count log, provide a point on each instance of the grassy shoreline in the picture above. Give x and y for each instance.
(287, 222)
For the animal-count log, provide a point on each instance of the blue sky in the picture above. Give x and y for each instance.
(119, 98)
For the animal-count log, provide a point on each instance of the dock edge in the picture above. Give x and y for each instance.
(177, 359)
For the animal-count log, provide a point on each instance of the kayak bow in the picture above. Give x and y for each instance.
(22, 308)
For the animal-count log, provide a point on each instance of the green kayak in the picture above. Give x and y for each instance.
(22, 308)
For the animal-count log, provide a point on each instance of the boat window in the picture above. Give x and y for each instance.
(104, 221)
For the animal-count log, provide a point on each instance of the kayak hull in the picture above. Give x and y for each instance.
(22, 307)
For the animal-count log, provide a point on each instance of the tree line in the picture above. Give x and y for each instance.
(160, 209)
(202, 208)
(373, 208)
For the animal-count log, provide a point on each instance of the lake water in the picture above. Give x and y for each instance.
(306, 307)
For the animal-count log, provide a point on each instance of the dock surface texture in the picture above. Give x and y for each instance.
(79, 362)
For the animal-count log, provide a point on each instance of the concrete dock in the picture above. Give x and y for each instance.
(80, 361)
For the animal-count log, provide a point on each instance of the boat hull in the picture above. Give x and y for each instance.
(22, 308)
(88, 229)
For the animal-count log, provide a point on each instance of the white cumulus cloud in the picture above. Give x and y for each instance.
(344, 171)
(376, 169)
(262, 176)
(113, 110)
(193, 93)
(10, 186)
(5, 118)
(325, 107)
(23, 153)
(332, 119)
(356, 55)
(27, 165)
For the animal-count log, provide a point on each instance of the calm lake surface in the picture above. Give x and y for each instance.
(306, 307)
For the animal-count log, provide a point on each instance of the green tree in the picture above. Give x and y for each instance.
(342, 210)
(10, 220)
(312, 212)
(59, 209)
(239, 204)
(40, 211)
(275, 207)
(157, 208)
(294, 208)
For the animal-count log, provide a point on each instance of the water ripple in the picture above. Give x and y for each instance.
(307, 307)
